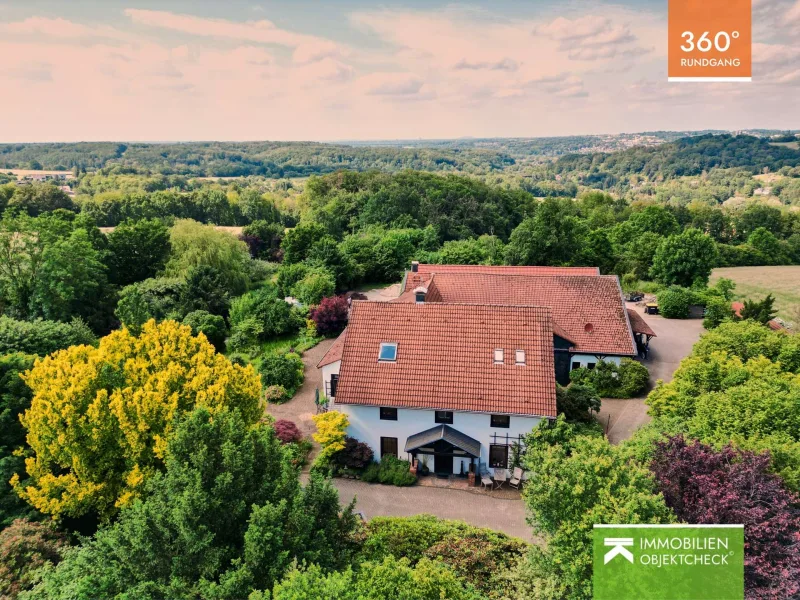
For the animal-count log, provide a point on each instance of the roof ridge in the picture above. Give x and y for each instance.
(471, 304)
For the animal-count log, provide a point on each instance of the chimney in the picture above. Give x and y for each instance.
(414, 266)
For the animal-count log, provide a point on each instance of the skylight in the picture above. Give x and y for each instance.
(520, 357)
(498, 356)
(388, 352)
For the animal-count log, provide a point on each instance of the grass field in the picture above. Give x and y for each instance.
(757, 282)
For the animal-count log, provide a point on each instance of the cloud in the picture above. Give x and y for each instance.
(307, 48)
(34, 72)
(390, 84)
(60, 29)
(505, 64)
(793, 14)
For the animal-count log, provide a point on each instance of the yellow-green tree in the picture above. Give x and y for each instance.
(100, 417)
(331, 433)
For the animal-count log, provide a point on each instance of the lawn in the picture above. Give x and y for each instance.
(756, 282)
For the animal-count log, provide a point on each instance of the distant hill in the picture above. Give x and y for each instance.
(687, 156)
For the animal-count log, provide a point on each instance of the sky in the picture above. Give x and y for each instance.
(360, 70)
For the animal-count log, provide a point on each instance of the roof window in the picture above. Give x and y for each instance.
(388, 352)
(519, 357)
(498, 356)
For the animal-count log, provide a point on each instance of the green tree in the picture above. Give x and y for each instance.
(317, 284)
(553, 236)
(285, 370)
(718, 309)
(685, 259)
(673, 303)
(39, 198)
(157, 299)
(194, 244)
(297, 242)
(598, 251)
(212, 326)
(138, 250)
(205, 289)
(761, 312)
(42, 337)
(227, 516)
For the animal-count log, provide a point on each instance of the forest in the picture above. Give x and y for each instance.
(144, 329)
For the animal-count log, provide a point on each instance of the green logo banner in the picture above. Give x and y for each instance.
(668, 562)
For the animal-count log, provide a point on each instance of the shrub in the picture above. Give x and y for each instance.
(287, 431)
(390, 471)
(354, 455)
(157, 299)
(314, 286)
(276, 394)
(25, 547)
(576, 401)
(673, 303)
(288, 275)
(212, 326)
(629, 281)
(611, 381)
(718, 309)
(282, 369)
(633, 378)
(42, 337)
(331, 315)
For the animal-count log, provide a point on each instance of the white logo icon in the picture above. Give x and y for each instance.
(618, 548)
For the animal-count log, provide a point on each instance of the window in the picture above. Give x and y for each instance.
(419, 297)
(334, 383)
(388, 352)
(444, 416)
(388, 414)
(590, 366)
(576, 365)
(388, 446)
(520, 357)
(498, 456)
(498, 356)
(501, 421)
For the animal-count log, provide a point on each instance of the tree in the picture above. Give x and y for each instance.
(264, 240)
(577, 401)
(703, 485)
(685, 259)
(761, 312)
(156, 299)
(354, 455)
(285, 370)
(317, 284)
(287, 432)
(212, 326)
(228, 516)
(551, 237)
(131, 390)
(765, 242)
(205, 290)
(718, 309)
(138, 250)
(15, 398)
(580, 480)
(598, 251)
(297, 242)
(39, 198)
(325, 253)
(638, 254)
(331, 428)
(331, 316)
(258, 316)
(194, 244)
(25, 547)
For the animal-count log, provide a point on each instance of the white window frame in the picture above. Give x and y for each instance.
(392, 345)
(499, 356)
(519, 358)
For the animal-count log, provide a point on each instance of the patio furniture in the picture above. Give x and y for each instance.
(516, 479)
(500, 476)
(486, 481)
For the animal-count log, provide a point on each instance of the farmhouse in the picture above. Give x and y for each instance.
(466, 359)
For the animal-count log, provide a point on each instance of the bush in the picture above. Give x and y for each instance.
(718, 309)
(629, 281)
(287, 432)
(42, 337)
(627, 380)
(673, 303)
(390, 471)
(331, 316)
(577, 401)
(276, 394)
(25, 547)
(355, 455)
(157, 299)
(314, 286)
(212, 326)
(284, 370)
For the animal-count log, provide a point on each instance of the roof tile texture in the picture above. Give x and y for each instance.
(424, 271)
(445, 358)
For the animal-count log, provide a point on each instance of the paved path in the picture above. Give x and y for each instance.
(375, 500)
(301, 407)
(674, 341)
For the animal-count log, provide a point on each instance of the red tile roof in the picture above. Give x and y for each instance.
(334, 353)
(638, 324)
(445, 358)
(589, 309)
(737, 307)
(425, 271)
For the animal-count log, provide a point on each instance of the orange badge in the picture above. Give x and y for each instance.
(710, 40)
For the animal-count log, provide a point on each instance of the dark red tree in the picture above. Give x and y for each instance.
(355, 454)
(704, 485)
(287, 432)
(331, 315)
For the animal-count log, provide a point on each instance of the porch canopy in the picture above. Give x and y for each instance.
(443, 439)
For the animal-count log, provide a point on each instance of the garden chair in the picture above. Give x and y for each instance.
(486, 481)
(500, 476)
(516, 479)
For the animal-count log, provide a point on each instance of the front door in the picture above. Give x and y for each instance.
(442, 465)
